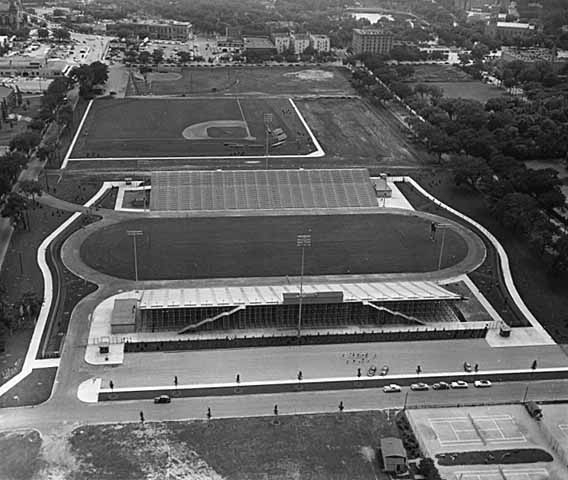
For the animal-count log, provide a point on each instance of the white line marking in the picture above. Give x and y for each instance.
(77, 133)
(244, 119)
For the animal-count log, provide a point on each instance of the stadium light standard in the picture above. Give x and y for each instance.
(134, 234)
(444, 227)
(302, 241)
(267, 118)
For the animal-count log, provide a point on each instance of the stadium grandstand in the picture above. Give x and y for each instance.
(261, 189)
(337, 305)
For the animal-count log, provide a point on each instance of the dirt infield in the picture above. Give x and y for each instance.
(350, 128)
(286, 80)
(180, 248)
(149, 128)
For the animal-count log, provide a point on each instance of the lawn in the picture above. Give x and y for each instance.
(310, 446)
(155, 128)
(544, 295)
(288, 80)
(33, 390)
(21, 456)
(472, 90)
(351, 129)
(180, 248)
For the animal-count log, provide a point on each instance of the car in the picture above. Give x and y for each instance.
(441, 386)
(162, 399)
(392, 388)
(419, 387)
(372, 370)
(482, 383)
(459, 384)
(467, 367)
(385, 370)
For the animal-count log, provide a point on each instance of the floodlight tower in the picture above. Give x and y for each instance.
(134, 234)
(302, 241)
(267, 117)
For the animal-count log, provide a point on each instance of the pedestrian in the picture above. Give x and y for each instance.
(176, 381)
(341, 407)
(358, 372)
(418, 369)
(476, 367)
(141, 416)
(433, 228)
(111, 385)
(238, 378)
(276, 410)
(534, 365)
(208, 413)
(300, 375)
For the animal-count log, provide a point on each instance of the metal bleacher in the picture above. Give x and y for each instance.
(261, 189)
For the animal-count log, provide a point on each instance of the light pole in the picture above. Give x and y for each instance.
(444, 227)
(302, 241)
(134, 234)
(267, 118)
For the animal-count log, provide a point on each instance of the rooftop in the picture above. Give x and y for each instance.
(274, 294)
(392, 447)
(257, 42)
(525, 26)
(370, 31)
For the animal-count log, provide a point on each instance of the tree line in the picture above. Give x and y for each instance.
(486, 145)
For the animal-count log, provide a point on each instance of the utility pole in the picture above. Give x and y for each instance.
(267, 118)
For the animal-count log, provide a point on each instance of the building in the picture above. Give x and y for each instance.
(259, 46)
(328, 305)
(300, 41)
(371, 41)
(510, 30)
(230, 45)
(180, 31)
(281, 41)
(393, 455)
(7, 96)
(12, 14)
(29, 66)
(320, 43)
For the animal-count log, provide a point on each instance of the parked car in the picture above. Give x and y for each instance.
(467, 367)
(392, 388)
(372, 370)
(459, 384)
(482, 383)
(441, 386)
(385, 370)
(419, 387)
(162, 399)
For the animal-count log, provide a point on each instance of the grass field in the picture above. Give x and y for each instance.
(20, 458)
(472, 90)
(32, 390)
(276, 79)
(180, 248)
(350, 128)
(155, 127)
(310, 446)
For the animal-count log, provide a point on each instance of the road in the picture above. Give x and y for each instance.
(61, 414)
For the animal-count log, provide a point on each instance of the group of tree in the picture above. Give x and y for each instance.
(89, 77)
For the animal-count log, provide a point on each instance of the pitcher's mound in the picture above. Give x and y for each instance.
(218, 129)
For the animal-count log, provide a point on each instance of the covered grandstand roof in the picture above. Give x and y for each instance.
(261, 189)
(273, 294)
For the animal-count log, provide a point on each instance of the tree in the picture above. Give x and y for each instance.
(15, 208)
(31, 188)
(144, 57)
(100, 72)
(65, 114)
(25, 142)
(30, 305)
(157, 56)
(61, 34)
(470, 170)
(560, 263)
(184, 56)
(43, 33)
